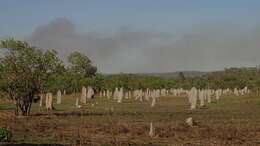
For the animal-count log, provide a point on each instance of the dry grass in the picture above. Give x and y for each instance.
(231, 121)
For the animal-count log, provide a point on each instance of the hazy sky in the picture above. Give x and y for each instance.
(141, 35)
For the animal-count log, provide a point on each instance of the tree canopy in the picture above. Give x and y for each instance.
(24, 72)
(80, 64)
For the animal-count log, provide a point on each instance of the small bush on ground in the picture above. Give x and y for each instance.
(5, 135)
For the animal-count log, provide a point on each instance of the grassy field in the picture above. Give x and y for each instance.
(230, 121)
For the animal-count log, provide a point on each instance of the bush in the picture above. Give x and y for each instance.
(5, 135)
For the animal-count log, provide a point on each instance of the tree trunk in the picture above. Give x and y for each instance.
(24, 106)
(16, 108)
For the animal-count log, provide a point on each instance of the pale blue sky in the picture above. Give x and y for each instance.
(160, 35)
(20, 17)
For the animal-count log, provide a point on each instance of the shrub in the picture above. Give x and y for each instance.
(5, 135)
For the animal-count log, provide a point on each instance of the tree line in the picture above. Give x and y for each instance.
(27, 71)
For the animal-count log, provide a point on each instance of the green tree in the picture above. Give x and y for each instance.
(81, 64)
(24, 72)
(181, 76)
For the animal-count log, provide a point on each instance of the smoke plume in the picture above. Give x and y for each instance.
(206, 47)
